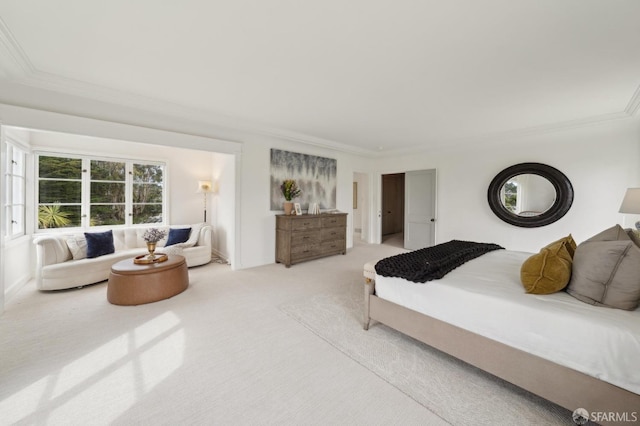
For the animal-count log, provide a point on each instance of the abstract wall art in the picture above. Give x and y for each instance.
(315, 176)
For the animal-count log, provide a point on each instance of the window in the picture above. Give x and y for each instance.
(147, 193)
(85, 192)
(108, 183)
(15, 191)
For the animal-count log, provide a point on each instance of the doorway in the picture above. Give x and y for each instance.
(393, 209)
(408, 209)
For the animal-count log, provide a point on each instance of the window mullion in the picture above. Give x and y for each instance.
(14, 191)
(129, 193)
(8, 198)
(85, 199)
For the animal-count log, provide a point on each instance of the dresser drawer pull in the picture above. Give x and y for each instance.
(305, 223)
(305, 238)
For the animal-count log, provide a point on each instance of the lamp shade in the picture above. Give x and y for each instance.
(204, 186)
(631, 201)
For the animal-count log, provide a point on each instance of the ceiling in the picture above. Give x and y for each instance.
(372, 76)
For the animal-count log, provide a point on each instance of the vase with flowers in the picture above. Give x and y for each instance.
(290, 191)
(152, 236)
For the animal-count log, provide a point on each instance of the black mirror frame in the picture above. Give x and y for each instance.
(562, 185)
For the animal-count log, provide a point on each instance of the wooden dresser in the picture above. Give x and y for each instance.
(306, 237)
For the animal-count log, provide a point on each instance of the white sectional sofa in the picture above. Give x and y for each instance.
(56, 268)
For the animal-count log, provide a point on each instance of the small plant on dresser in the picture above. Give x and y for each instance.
(290, 191)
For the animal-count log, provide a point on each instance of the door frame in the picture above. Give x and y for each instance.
(376, 213)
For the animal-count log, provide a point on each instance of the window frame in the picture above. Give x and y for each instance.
(11, 146)
(85, 197)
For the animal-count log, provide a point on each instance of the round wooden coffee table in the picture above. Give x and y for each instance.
(134, 284)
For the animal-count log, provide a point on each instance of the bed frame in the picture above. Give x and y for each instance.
(566, 387)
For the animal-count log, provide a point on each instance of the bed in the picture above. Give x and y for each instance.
(566, 351)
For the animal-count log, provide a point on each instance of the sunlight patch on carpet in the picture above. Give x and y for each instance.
(129, 366)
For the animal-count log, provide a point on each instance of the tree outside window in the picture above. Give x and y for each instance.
(148, 182)
(510, 197)
(84, 192)
(59, 192)
(108, 182)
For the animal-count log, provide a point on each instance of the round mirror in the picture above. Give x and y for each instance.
(530, 195)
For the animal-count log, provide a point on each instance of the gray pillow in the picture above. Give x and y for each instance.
(606, 271)
(634, 234)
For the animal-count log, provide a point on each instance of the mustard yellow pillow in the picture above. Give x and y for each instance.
(570, 244)
(549, 271)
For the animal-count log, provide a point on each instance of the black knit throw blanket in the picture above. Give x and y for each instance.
(432, 263)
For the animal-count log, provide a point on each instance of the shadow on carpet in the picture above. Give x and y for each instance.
(458, 392)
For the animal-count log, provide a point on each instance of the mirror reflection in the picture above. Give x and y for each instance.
(528, 195)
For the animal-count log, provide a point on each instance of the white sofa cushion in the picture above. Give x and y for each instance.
(86, 266)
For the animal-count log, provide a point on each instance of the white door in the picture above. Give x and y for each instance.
(420, 209)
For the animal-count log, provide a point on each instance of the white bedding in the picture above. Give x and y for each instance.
(485, 296)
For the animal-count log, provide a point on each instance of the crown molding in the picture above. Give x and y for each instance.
(13, 60)
(634, 104)
(499, 138)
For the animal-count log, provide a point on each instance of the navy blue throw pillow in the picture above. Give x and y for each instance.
(178, 235)
(99, 243)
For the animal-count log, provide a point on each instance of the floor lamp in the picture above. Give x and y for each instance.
(204, 187)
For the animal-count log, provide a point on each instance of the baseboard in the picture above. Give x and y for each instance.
(216, 253)
(11, 291)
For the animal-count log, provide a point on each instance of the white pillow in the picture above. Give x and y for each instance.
(193, 236)
(173, 250)
(78, 246)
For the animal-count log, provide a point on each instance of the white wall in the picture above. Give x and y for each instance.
(3, 163)
(357, 211)
(223, 202)
(361, 213)
(17, 262)
(600, 160)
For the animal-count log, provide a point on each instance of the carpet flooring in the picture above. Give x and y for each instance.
(459, 393)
